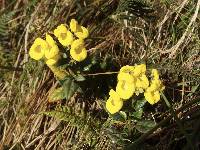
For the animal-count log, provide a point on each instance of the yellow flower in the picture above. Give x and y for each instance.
(127, 69)
(58, 72)
(80, 31)
(152, 93)
(78, 51)
(155, 74)
(125, 89)
(50, 41)
(156, 85)
(52, 50)
(73, 25)
(64, 36)
(53, 60)
(142, 82)
(38, 48)
(152, 97)
(139, 69)
(125, 76)
(114, 103)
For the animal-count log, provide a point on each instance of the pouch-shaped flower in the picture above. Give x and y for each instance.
(152, 97)
(125, 89)
(38, 48)
(53, 61)
(78, 51)
(114, 103)
(64, 36)
(80, 31)
(52, 50)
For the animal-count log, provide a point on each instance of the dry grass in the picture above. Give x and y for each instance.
(169, 41)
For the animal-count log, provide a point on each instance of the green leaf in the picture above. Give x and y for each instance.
(56, 95)
(119, 116)
(79, 77)
(139, 104)
(137, 114)
(87, 68)
(123, 115)
(70, 87)
(145, 125)
(4, 19)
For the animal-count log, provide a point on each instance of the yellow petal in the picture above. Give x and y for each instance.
(127, 69)
(51, 52)
(64, 36)
(143, 68)
(53, 60)
(73, 25)
(149, 97)
(67, 40)
(125, 76)
(77, 44)
(84, 33)
(155, 85)
(60, 29)
(50, 41)
(125, 89)
(156, 96)
(38, 48)
(139, 69)
(142, 82)
(113, 106)
(78, 54)
(155, 74)
(114, 95)
(152, 97)
(114, 103)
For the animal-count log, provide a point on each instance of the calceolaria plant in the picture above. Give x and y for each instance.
(72, 39)
(132, 80)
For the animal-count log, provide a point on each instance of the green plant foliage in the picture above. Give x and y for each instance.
(138, 107)
(4, 19)
(137, 114)
(145, 125)
(79, 77)
(139, 104)
(57, 94)
(80, 119)
(70, 87)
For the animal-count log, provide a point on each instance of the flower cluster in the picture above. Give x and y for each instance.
(152, 93)
(73, 38)
(133, 79)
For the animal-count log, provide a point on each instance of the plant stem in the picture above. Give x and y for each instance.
(103, 73)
